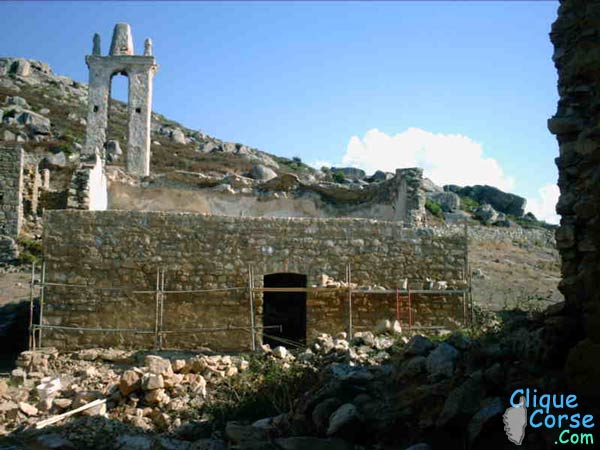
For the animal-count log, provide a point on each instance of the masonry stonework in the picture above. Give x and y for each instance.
(118, 249)
(576, 38)
(11, 187)
(140, 70)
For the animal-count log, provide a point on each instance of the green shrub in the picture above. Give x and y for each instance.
(265, 389)
(434, 208)
(338, 176)
(468, 204)
(30, 250)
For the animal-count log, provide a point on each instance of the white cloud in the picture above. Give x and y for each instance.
(445, 158)
(544, 206)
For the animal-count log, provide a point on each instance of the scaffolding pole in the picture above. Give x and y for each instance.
(348, 281)
(162, 309)
(156, 307)
(31, 345)
(251, 301)
(42, 292)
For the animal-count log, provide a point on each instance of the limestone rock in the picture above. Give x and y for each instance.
(21, 68)
(28, 409)
(486, 213)
(178, 136)
(344, 421)
(262, 173)
(237, 433)
(54, 160)
(152, 381)
(418, 346)
(506, 203)
(492, 410)
(280, 352)
(130, 382)
(36, 122)
(449, 201)
(322, 412)
(464, 400)
(17, 101)
(53, 441)
(442, 360)
(158, 365)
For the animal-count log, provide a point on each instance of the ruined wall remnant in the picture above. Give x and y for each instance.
(400, 198)
(140, 70)
(124, 249)
(576, 38)
(11, 200)
(11, 190)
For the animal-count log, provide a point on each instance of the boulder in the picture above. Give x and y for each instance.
(8, 135)
(493, 408)
(413, 367)
(28, 409)
(236, 433)
(17, 101)
(21, 68)
(262, 173)
(441, 362)
(418, 346)
(507, 203)
(132, 442)
(158, 365)
(130, 382)
(352, 173)
(36, 122)
(486, 214)
(54, 160)
(344, 422)
(152, 381)
(449, 201)
(465, 400)
(178, 136)
(53, 441)
(280, 352)
(322, 413)
(380, 176)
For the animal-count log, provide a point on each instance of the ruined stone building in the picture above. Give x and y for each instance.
(133, 257)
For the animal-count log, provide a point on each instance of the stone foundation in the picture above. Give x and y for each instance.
(117, 249)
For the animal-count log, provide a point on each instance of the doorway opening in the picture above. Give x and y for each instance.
(285, 309)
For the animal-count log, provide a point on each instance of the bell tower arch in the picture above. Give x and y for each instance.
(140, 70)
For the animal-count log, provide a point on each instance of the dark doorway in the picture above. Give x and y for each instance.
(287, 309)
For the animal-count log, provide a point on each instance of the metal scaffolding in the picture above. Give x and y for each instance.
(405, 306)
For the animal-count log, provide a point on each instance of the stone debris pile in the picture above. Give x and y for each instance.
(149, 395)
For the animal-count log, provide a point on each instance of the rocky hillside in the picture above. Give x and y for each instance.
(46, 113)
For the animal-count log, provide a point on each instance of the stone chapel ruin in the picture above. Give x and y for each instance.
(130, 262)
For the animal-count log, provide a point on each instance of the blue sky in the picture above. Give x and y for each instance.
(462, 88)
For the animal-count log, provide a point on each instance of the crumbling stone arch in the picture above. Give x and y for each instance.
(140, 70)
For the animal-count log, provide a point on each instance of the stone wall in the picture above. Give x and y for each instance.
(11, 186)
(576, 38)
(115, 249)
(399, 198)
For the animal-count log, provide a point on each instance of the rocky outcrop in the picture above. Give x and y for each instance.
(504, 202)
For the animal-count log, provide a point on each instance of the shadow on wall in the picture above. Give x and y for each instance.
(14, 332)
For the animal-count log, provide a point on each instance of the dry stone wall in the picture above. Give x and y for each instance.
(116, 249)
(576, 38)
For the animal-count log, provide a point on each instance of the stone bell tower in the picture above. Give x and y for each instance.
(140, 70)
